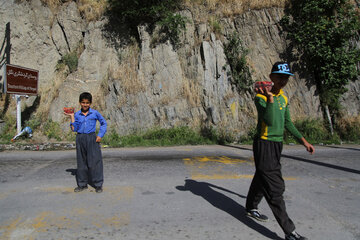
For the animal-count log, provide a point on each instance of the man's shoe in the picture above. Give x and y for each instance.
(98, 189)
(294, 236)
(254, 213)
(80, 189)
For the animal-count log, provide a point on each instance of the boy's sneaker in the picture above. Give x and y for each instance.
(295, 236)
(254, 213)
(80, 189)
(98, 190)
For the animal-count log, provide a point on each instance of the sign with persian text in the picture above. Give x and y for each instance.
(20, 80)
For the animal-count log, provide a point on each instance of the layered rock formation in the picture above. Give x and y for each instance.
(153, 85)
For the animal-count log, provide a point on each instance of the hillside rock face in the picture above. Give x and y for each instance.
(161, 86)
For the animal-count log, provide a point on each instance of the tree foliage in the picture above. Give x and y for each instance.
(324, 33)
(132, 13)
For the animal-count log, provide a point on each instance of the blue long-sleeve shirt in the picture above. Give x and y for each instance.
(87, 124)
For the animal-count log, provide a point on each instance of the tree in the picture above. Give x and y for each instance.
(324, 34)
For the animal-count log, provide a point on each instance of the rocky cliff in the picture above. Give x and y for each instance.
(152, 85)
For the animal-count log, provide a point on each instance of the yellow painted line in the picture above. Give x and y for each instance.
(30, 228)
(3, 195)
(40, 223)
(116, 221)
(203, 168)
(9, 228)
(120, 193)
(57, 189)
(221, 159)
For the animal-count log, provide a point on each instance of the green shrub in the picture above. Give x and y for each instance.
(172, 25)
(349, 129)
(70, 60)
(33, 123)
(236, 56)
(52, 130)
(215, 26)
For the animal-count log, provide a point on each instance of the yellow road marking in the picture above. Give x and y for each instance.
(213, 168)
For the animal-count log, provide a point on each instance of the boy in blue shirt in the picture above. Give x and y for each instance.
(88, 152)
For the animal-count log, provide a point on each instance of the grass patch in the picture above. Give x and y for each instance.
(52, 130)
(163, 137)
(9, 130)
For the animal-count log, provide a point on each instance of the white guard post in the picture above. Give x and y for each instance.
(18, 112)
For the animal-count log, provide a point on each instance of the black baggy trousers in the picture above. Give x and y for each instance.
(89, 161)
(268, 182)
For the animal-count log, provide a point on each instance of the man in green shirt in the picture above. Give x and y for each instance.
(273, 118)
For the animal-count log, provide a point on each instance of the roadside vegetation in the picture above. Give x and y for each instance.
(314, 130)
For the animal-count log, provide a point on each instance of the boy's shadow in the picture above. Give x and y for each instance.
(73, 173)
(222, 202)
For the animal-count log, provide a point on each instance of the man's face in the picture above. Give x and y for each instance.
(85, 105)
(279, 80)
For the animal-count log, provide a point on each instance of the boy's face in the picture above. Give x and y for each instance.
(279, 80)
(85, 105)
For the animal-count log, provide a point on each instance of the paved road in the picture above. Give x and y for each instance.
(188, 192)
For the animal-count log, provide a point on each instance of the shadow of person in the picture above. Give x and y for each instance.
(224, 203)
(74, 172)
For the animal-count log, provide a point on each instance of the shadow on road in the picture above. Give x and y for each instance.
(347, 148)
(224, 203)
(73, 173)
(312, 161)
(323, 164)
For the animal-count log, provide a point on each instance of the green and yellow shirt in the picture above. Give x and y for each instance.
(274, 117)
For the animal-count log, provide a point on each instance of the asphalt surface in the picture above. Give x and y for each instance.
(187, 192)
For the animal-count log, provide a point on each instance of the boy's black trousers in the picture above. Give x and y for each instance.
(89, 161)
(268, 182)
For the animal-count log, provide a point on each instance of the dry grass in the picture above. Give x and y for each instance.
(99, 95)
(228, 8)
(92, 10)
(192, 92)
(127, 71)
(54, 4)
(48, 94)
(349, 127)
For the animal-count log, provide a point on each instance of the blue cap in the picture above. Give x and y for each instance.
(281, 68)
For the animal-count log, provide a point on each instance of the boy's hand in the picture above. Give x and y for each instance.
(266, 91)
(72, 117)
(310, 148)
(98, 139)
(69, 114)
